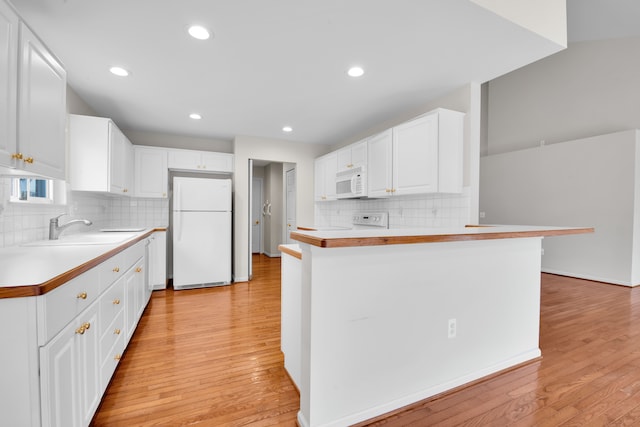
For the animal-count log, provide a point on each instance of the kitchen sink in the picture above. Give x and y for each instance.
(104, 238)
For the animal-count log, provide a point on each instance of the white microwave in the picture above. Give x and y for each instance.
(351, 183)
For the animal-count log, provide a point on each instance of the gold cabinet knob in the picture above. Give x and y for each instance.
(257, 222)
(138, 269)
(116, 301)
(80, 330)
(86, 325)
(117, 357)
(117, 331)
(28, 160)
(289, 225)
(116, 269)
(125, 190)
(82, 295)
(17, 156)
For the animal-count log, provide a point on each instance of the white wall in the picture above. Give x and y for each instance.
(545, 17)
(248, 147)
(590, 182)
(178, 141)
(589, 89)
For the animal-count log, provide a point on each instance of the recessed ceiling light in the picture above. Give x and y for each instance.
(355, 71)
(199, 32)
(195, 116)
(119, 71)
(287, 129)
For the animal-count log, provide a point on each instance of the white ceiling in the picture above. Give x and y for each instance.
(280, 62)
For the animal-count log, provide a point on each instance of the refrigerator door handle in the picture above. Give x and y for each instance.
(179, 225)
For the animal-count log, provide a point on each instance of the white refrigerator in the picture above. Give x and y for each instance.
(201, 232)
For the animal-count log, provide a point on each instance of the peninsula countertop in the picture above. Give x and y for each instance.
(400, 236)
(36, 268)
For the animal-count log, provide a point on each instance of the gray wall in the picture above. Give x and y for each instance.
(591, 88)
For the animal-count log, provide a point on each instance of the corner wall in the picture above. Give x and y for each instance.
(588, 182)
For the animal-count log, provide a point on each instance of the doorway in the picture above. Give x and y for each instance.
(275, 212)
(257, 214)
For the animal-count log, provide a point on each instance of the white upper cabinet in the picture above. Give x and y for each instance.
(352, 155)
(200, 161)
(150, 170)
(41, 108)
(421, 156)
(8, 83)
(379, 165)
(325, 177)
(415, 156)
(101, 156)
(33, 90)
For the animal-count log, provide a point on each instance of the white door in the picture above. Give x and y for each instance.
(8, 82)
(291, 204)
(379, 177)
(201, 194)
(256, 216)
(415, 156)
(42, 113)
(201, 248)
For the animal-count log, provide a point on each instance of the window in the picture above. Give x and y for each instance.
(31, 190)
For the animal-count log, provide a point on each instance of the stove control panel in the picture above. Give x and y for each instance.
(371, 219)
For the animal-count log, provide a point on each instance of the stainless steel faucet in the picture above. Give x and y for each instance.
(55, 229)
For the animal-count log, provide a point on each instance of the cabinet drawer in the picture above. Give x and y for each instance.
(112, 303)
(111, 334)
(110, 361)
(58, 307)
(113, 268)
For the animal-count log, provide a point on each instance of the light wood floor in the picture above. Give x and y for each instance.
(211, 358)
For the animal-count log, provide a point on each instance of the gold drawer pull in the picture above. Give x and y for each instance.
(82, 329)
(116, 301)
(116, 269)
(82, 295)
(117, 331)
(17, 156)
(138, 269)
(117, 357)
(28, 160)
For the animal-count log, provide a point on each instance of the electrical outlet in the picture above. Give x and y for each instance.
(452, 328)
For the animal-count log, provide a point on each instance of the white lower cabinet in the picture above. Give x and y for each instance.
(78, 360)
(69, 369)
(158, 260)
(136, 295)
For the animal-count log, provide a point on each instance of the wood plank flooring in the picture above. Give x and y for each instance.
(211, 357)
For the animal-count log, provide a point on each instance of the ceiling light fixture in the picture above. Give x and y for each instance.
(195, 116)
(199, 32)
(287, 129)
(355, 71)
(119, 71)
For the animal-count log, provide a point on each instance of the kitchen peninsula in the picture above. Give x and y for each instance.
(393, 317)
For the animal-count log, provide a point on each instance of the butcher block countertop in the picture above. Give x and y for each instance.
(368, 237)
(36, 268)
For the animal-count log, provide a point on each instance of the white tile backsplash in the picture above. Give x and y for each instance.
(21, 223)
(431, 210)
